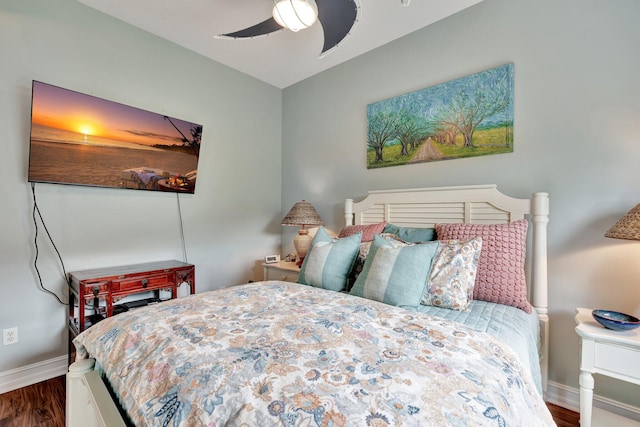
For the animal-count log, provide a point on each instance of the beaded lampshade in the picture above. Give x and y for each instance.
(627, 227)
(302, 213)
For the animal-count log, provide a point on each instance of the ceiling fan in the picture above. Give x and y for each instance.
(337, 18)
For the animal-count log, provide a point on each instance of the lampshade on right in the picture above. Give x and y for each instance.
(627, 227)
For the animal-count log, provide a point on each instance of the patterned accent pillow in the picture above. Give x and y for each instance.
(328, 261)
(500, 277)
(368, 231)
(453, 274)
(395, 276)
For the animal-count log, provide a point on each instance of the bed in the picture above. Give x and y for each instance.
(278, 353)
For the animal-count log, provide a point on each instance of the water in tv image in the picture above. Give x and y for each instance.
(84, 140)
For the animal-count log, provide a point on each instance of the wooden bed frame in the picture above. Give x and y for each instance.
(90, 404)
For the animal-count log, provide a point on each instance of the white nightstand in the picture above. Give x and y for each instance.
(284, 271)
(612, 353)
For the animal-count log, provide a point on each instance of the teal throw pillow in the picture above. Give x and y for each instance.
(411, 234)
(329, 261)
(396, 276)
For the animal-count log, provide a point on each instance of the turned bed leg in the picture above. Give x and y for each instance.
(88, 401)
(78, 405)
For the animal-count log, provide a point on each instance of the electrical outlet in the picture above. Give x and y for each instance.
(9, 336)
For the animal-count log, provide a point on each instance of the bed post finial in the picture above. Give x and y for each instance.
(77, 392)
(88, 402)
(348, 212)
(540, 219)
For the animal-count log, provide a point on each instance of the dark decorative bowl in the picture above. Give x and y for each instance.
(615, 320)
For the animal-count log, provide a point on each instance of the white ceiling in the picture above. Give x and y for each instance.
(281, 58)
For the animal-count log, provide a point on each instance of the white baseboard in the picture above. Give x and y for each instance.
(32, 374)
(569, 397)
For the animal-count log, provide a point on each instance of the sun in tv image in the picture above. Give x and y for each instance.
(84, 140)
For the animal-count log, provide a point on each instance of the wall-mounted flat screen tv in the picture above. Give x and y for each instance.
(80, 139)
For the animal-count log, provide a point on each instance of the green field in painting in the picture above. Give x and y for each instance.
(485, 142)
(391, 156)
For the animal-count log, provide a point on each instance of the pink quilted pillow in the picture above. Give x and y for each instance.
(368, 231)
(500, 277)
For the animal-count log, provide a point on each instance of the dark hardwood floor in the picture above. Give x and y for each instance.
(564, 417)
(39, 405)
(43, 405)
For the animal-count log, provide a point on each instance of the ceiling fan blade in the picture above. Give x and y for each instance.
(265, 27)
(337, 18)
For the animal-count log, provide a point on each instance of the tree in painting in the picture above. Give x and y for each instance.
(191, 145)
(196, 138)
(408, 131)
(465, 112)
(471, 116)
(381, 129)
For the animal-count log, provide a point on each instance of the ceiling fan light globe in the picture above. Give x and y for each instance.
(295, 15)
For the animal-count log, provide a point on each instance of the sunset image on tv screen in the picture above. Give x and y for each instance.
(84, 140)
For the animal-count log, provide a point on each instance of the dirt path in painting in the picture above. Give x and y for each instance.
(427, 152)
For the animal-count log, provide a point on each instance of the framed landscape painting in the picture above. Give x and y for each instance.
(467, 117)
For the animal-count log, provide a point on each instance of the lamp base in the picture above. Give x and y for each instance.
(302, 243)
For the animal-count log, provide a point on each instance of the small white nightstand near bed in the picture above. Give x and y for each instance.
(606, 352)
(282, 270)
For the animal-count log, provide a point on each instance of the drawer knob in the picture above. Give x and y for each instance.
(145, 283)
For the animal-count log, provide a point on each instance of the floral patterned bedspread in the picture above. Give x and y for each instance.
(283, 354)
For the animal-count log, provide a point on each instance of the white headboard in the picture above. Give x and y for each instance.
(479, 204)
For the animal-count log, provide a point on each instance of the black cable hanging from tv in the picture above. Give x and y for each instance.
(35, 241)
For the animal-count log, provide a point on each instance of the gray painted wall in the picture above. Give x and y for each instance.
(577, 136)
(229, 223)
